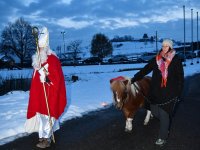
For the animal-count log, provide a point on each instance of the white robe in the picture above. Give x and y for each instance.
(40, 123)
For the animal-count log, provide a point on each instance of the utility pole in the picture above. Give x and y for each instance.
(192, 34)
(197, 38)
(63, 35)
(184, 34)
(156, 41)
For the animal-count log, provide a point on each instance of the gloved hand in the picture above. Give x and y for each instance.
(132, 80)
(46, 69)
(42, 74)
(42, 78)
(43, 71)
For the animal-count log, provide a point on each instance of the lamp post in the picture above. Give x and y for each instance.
(192, 35)
(156, 41)
(63, 35)
(197, 37)
(184, 33)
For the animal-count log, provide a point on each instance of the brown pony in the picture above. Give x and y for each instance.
(130, 97)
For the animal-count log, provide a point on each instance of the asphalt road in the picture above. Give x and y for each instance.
(104, 129)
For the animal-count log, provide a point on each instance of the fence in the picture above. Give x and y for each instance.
(14, 85)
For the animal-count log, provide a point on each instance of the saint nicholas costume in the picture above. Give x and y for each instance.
(47, 86)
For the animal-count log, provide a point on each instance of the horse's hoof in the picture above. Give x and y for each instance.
(146, 123)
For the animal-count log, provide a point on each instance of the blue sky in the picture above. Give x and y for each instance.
(81, 19)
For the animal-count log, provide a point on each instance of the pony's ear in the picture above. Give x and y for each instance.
(125, 82)
(111, 80)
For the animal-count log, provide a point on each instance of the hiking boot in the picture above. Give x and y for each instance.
(41, 139)
(44, 143)
(160, 142)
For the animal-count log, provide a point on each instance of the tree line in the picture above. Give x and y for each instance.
(17, 39)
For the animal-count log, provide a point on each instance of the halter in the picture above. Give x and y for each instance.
(123, 100)
(127, 96)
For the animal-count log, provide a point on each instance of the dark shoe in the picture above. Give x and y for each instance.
(44, 143)
(160, 142)
(41, 139)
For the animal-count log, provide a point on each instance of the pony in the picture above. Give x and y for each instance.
(130, 97)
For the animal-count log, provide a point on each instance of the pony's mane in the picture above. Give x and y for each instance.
(118, 84)
(130, 87)
(133, 87)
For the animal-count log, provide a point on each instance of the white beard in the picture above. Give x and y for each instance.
(37, 60)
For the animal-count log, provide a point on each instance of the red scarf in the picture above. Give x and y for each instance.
(163, 62)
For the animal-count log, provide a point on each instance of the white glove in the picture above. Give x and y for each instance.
(46, 68)
(42, 78)
(43, 71)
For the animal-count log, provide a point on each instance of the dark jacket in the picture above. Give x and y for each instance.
(175, 81)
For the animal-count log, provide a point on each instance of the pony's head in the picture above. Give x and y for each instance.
(120, 89)
(123, 90)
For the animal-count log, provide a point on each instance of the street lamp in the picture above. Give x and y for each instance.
(63, 35)
(197, 37)
(192, 34)
(184, 32)
(156, 41)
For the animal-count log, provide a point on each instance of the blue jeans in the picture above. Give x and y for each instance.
(164, 118)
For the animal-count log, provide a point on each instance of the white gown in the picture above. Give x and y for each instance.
(40, 123)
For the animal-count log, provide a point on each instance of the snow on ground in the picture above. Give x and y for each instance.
(90, 92)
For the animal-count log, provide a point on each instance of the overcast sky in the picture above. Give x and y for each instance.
(81, 19)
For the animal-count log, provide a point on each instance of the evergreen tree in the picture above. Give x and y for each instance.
(101, 46)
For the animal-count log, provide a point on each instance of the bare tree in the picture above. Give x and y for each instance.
(17, 39)
(74, 49)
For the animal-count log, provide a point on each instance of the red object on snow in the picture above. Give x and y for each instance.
(56, 92)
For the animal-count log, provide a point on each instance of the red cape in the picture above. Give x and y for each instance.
(56, 93)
